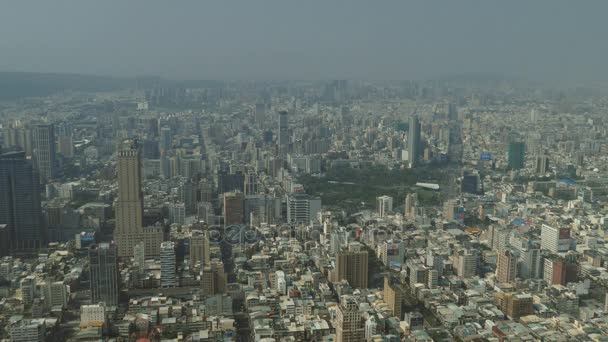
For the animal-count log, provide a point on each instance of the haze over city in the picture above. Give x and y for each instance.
(286, 171)
(285, 40)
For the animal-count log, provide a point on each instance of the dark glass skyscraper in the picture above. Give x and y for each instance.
(44, 151)
(283, 133)
(516, 155)
(413, 140)
(104, 273)
(20, 202)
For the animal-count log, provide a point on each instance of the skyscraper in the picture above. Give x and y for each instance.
(199, 248)
(20, 202)
(542, 164)
(283, 136)
(233, 208)
(506, 266)
(350, 326)
(166, 140)
(516, 155)
(352, 265)
(302, 208)
(213, 278)
(410, 205)
(129, 229)
(413, 140)
(251, 183)
(392, 296)
(103, 266)
(260, 114)
(167, 264)
(44, 151)
(384, 205)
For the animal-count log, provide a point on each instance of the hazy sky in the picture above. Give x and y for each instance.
(307, 39)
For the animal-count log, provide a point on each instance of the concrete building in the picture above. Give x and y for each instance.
(234, 211)
(129, 229)
(93, 314)
(103, 268)
(506, 267)
(302, 208)
(352, 265)
(392, 296)
(384, 205)
(199, 248)
(167, 264)
(350, 326)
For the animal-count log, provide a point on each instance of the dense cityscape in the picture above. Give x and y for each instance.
(451, 210)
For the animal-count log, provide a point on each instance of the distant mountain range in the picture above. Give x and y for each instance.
(14, 85)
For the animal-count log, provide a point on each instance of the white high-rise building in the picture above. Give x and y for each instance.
(302, 208)
(281, 282)
(167, 264)
(555, 240)
(384, 205)
(56, 294)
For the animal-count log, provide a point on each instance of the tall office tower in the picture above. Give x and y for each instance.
(384, 205)
(213, 278)
(533, 116)
(542, 164)
(204, 212)
(352, 266)
(251, 183)
(471, 182)
(103, 266)
(56, 294)
(260, 114)
(506, 266)
(283, 134)
(129, 229)
(44, 151)
(392, 296)
(139, 254)
(152, 128)
(177, 213)
(167, 264)
(262, 209)
(466, 264)
(413, 140)
(516, 155)
(350, 326)
(28, 289)
(452, 112)
(234, 208)
(410, 205)
(187, 194)
(302, 208)
(199, 248)
(580, 159)
(65, 144)
(531, 267)
(20, 207)
(166, 140)
(417, 274)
